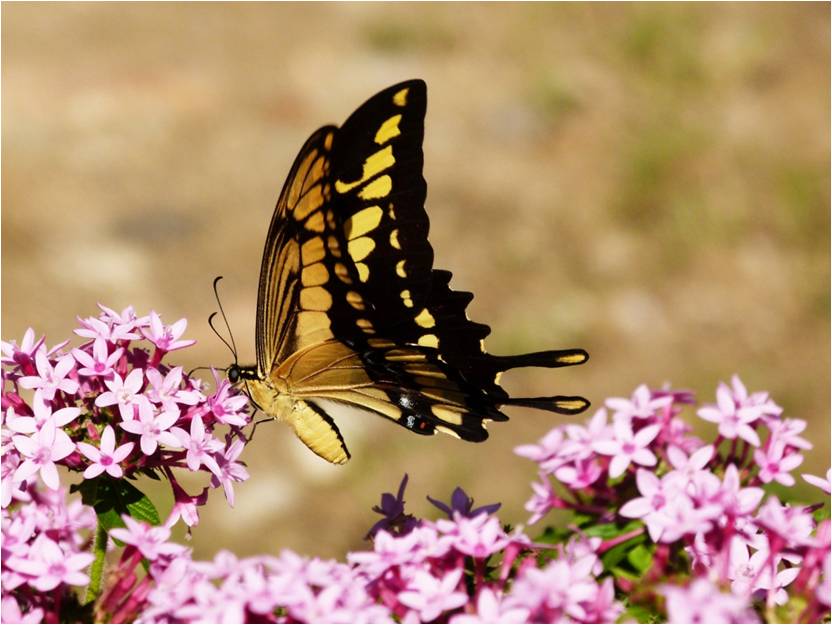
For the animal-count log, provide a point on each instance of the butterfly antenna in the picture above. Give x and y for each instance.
(220, 336)
(191, 372)
(233, 346)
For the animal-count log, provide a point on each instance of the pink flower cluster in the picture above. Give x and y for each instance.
(701, 500)
(660, 524)
(110, 407)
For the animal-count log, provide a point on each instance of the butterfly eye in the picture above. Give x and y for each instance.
(233, 374)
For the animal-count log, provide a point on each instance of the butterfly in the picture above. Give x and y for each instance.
(352, 316)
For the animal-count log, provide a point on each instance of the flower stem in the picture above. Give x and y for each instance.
(99, 549)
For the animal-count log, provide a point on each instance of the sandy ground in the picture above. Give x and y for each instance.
(650, 182)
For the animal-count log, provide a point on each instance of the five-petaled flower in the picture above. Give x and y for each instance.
(153, 427)
(41, 451)
(124, 392)
(51, 379)
(101, 362)
(627, 447)
(106, 457)
(166, 338)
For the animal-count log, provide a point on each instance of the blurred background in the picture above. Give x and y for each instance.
(647, 181)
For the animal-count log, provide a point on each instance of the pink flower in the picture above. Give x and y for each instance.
(51, 379)
(758, 572)
(774, 466)
(47, 565)
(230, 470)
(430, 596)
(788, 432)
(736, 412)
(228, 406)
(185, 506)
(166, 390)
(107, 457)
(651, 507)
(93, 328)
(642, 405)
(42, 450)
(478, 537)
(101, 362)
(580, 473)
(166, 338)
(737, 501)
(543, 499)
(702, 602)
(794, 525)
(823, 484)
(627, 447)
(689, 471)
(11, 612)
(491, 609)
(126, 317)
(124, 392)
(559, 589)
(581, 439)
(42, 413)
(200, 446)
(153, 428)
(150, 540)
(548, 447)
(22, 354)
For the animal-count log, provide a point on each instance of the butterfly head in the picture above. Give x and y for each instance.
(237, 374)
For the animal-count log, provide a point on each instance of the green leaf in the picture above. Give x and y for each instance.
(112, 498)
(614, 556)
(640, 614)
(553, 535)
(641, 557)
(611, 530)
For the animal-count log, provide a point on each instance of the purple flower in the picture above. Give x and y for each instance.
(106, 457)
(200, 446)
(41, 451)
(51, 379)
(702, 602)
(823, 484)
(47, 565)
(150, 540)
(627, 447)
(230, 470)
(642, 405)
(101, 362)
(394, 519)
(124, 392)
(492, 609)
(463, 505)
(430, 596)
(153, 427)
(166, 391)
(774, 466)
(166, 338)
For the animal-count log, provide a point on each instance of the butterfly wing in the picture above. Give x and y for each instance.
(350, 309)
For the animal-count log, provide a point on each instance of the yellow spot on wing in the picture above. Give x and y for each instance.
(400, 269)
(328, 141)
(362, 222)
(355, 300)
(375, 164)
(406, 298)
(572, 359)
(448, 415)
(315, 298)
(363, 271)
(428, 340)
(388, 130)
(360, 248)
(380, 187)
(310, 201)
(446, 430)
(425, 319)
(400, 97)
(312, 251)
(342, 272)
(315, 223)
(314, 275)
(394, 239)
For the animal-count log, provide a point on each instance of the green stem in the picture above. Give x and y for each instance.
(99, 549)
